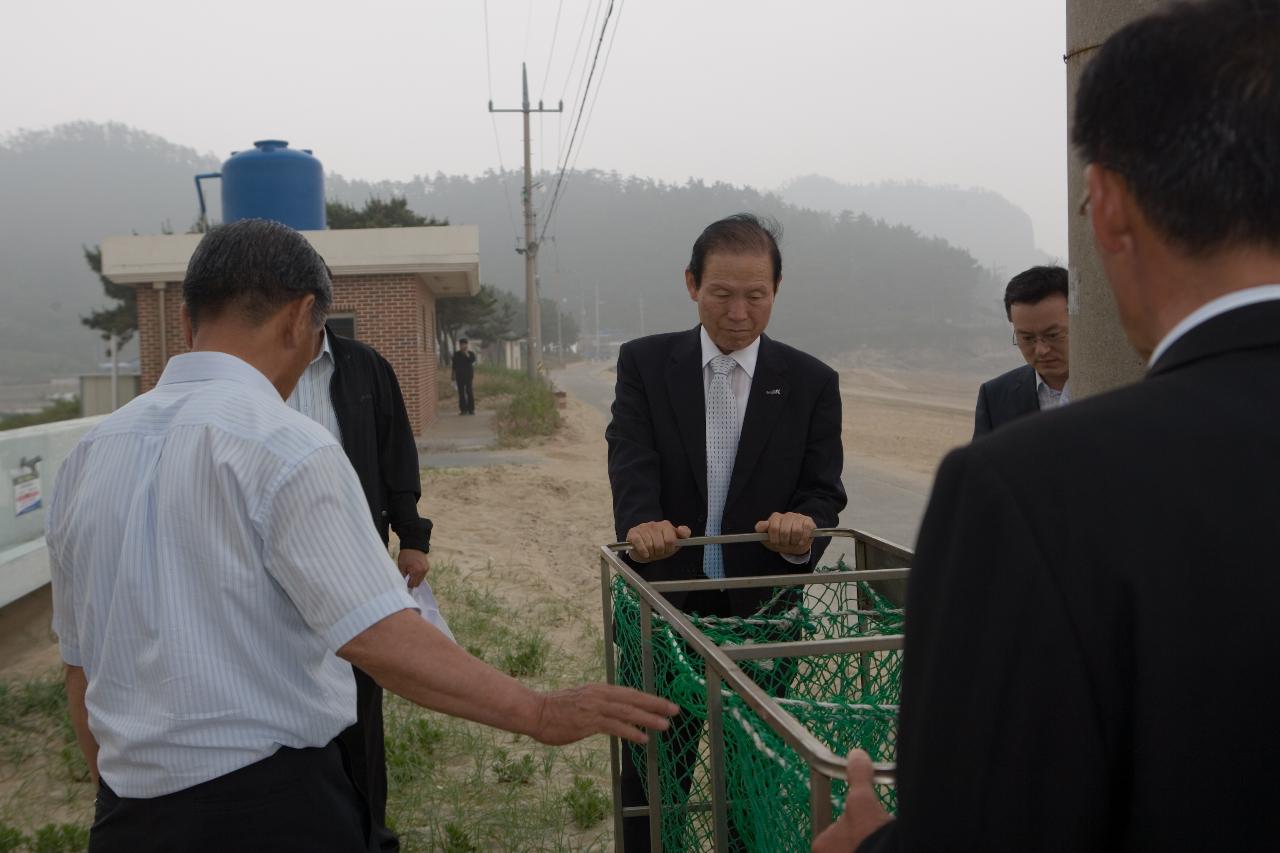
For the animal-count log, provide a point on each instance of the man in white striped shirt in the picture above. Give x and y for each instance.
(215, 568)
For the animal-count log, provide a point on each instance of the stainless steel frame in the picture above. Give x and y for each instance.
(723, 673)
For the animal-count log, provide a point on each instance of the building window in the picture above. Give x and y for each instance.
(343, 325)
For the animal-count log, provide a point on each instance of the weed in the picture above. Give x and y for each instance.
(59, 838)
(411, 744)
(514, 771)
(456, 840)
(528, 658)
(11, 838)
(530, 412)
(587, 803)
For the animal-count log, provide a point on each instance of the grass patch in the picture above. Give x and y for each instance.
(58, 410)
(458, 786)
(48, 775)
(453, 785)
(587, 803)
(50, 838)
(529, 657)
(529, 413)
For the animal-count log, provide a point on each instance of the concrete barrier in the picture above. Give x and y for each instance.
(29, 460)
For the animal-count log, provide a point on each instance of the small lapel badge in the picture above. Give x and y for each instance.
(773, 392)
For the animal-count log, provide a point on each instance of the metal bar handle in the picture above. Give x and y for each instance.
(734, 538)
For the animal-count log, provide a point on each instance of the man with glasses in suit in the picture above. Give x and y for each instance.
(1035, 301)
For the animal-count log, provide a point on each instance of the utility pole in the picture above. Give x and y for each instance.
(642, 316)
(1101, 357)
(530, 250)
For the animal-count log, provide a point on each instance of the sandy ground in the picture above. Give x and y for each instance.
(535, 527)
(905, 422)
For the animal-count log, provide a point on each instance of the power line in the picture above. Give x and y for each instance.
(582, 31)
(604, 69)
(582, 90)
(595, 98)
(555, 34)
(502, 169)
(488, 63)
(555, 196)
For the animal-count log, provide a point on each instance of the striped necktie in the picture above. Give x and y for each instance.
(722, 449)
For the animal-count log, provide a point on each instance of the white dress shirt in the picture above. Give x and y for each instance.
(1211, 309)
(740, 381)
(210, 550)
(1048, 397)
(311, 395)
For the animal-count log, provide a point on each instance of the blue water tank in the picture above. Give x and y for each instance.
(274, 181)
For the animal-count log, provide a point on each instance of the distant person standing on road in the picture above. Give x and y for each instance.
(1035, 302)
(464, 374)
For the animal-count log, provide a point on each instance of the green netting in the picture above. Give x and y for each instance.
(845, 700)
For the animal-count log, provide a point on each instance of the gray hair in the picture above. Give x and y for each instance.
(254, 266)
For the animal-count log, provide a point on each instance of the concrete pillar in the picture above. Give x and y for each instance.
(1101, 358)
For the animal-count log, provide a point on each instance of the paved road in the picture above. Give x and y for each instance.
(881, 502)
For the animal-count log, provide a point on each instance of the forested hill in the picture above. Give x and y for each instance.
(850, 281)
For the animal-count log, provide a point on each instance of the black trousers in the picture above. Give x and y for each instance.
(466, 396)
(680, 743)
(365, 746)
(296, 801)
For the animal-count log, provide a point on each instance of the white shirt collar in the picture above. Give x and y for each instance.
(746, 357)
(324, 348)
(1211, 309)
(208, 365)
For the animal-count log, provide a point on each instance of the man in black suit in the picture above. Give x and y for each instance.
(1035, 301)
(464, 374)
(1091, 632)
(352, 391)
(721, 429)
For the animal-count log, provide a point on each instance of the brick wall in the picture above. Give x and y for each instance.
(393, 313)
(151, 359)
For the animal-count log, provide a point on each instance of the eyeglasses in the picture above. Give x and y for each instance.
(1027, 341)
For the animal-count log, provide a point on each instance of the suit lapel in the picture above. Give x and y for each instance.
(768, 398)
(684, 386)
(1028, 392)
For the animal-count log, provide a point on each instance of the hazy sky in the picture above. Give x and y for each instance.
(749, 92)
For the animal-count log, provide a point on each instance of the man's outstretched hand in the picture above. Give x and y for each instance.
(862, 814)
(580, 712)
(789, 533)
(413, 564)
(655, 540)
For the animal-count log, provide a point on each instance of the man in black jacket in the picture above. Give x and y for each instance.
(1035, 301)
(721, 429)
(1091, 632)
(463, 368)
(352, 391)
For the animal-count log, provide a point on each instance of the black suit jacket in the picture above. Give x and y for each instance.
(378, 439)
(789, 454)
(1092, 641)
(1007, 397)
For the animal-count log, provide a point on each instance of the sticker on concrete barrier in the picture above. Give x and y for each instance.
(26, 486)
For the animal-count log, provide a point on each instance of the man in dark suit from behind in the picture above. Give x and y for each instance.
(721, 429)
(1091, 632)
(1035, 301)
(352, 391)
